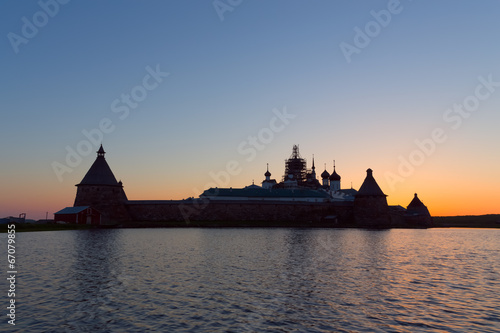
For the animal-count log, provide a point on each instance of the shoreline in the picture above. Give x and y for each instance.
(489, 221)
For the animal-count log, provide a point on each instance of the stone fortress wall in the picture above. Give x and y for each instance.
(100, 190)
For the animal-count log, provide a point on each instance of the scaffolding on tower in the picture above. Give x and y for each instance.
(295, 167)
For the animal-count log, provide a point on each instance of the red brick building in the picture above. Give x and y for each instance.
(78, 215)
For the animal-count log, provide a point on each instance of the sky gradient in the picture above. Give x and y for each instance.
(177, 90)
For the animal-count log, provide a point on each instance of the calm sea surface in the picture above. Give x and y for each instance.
(257, 280)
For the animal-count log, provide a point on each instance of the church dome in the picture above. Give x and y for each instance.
(325, 174)
(335, 176)
(267, 174)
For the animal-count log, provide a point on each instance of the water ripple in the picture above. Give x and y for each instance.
(259, 280)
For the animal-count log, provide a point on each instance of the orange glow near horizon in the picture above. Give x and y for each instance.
(173, 106)
(436, 186)
(444, 203)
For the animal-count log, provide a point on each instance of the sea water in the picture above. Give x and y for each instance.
(257, 280)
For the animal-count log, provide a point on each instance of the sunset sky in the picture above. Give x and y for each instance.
(176, 90)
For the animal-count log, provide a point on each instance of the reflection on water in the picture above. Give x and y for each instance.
(94, 281)
(255, 280)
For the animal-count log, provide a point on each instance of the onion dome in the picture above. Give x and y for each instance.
(325, 174)
(267, 174)
(335, 176)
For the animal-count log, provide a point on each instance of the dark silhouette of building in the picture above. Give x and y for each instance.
(79, 215)
(295, 169)
(417, 213)
(299, 198)
(334, 180)
(268, 183)
(370, 204)
(100, 190)
(325, 176)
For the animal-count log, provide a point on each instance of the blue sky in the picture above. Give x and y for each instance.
(225, 79)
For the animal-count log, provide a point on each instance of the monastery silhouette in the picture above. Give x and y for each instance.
(299, 199)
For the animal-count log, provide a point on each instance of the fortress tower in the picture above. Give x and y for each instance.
(370, 204)
(417, 213)
(100, 190)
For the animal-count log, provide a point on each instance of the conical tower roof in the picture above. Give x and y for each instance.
(370, 186)
(99, 173)
(415, 203)
(417, 207)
